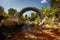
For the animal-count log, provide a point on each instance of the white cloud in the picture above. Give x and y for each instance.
(43, 1)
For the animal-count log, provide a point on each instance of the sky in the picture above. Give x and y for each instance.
(20, 4)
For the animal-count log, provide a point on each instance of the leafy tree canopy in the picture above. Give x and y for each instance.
(12, 11)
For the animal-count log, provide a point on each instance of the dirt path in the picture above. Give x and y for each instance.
(36, 34)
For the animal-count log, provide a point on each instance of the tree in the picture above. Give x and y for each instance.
(49, 12)
(56, 3)
(45, 11)
(37, 20)
(5, 15)
(24, 17)
(12, 11)
(33, 16)
(1, 10)
(53, 11)
(1, 13)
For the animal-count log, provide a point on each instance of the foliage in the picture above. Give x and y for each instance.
(53, 11)
(33, 16)
(37, 20)
(55, 3)
(50, 12)
(1, 10)
(45, 11)
(6, 16)
(51, 22)
(24, 18)
(12, 11)
(1, 17)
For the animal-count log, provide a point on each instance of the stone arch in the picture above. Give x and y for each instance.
(16, 17)
(32, 9)
(19, 15)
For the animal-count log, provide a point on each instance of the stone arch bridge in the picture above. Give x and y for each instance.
(16, 17)
(14, 22)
